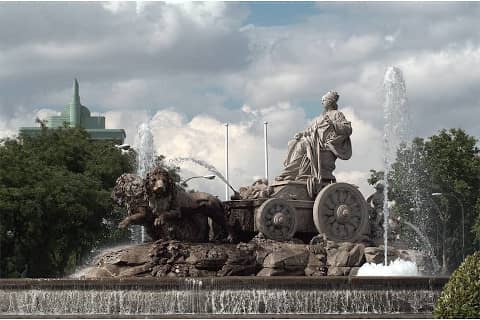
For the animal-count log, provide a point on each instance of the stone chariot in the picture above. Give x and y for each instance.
(306, 198)
(338, 212)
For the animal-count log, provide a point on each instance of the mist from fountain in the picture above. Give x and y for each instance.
(396, 131)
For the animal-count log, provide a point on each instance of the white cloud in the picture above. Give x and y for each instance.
(199, 63)
(202, 137)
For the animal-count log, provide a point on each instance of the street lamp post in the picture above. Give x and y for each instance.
(226, 163)
(209, 177)
(121, 147)
(124, 146)
(437, 194)
(265, 138)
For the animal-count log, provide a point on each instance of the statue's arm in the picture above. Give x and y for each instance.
(341, 125)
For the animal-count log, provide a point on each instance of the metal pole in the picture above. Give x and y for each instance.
(265, 136)
(227, 190)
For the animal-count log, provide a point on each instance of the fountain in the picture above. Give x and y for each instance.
(297, 246)
(145, 149)
(396, 132)
(431, 253)
(145, 162)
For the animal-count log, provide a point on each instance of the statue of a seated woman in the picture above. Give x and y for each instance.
(312, 153)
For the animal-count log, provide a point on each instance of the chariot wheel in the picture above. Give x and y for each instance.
(340, 212)
(276, 219)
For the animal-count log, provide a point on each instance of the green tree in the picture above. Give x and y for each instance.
(446, 164)
(460, 297)
(55, 200)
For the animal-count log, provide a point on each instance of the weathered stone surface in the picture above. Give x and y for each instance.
(193, 272)
(316, 271)
(96, 273)
(182, 259)
(376, 254)
(339, 271)
(356, 256)
(271, 272)
(290, 190)
(331, 257)
(344, 255)
(161, 270)
(179, 270)
(263, 247)
(341, 258)
(290, 257)
(316, 260)
(132, 256)
(354, 271)
(207, 259)
(136, 271)
(176, 259)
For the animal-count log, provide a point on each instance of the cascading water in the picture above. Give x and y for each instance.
(219, 296)
(431, 252)
(145, 161)
(396, 130)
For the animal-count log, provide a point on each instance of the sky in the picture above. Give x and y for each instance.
(188, 68)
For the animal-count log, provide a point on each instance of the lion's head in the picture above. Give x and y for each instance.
(159, 185)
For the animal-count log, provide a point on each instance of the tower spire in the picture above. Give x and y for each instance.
(76, 94)
(74, 109)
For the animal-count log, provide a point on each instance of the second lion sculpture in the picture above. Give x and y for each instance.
(166, 210)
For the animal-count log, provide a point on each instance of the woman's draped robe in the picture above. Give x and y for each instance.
(313, 156)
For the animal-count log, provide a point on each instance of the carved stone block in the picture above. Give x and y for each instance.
(290, 190)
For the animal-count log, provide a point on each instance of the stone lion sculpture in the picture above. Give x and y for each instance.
(166, 210)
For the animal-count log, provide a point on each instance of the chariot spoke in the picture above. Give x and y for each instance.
(341, 212)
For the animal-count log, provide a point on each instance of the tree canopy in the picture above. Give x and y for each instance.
(434, 182)
(55, 202)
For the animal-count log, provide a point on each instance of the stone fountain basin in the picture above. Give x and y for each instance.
(217, 296)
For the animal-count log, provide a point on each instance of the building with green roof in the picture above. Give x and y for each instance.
(75, 115)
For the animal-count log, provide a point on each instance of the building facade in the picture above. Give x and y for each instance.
(75, 115)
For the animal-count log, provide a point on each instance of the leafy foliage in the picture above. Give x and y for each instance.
(55, 200)
(460, 297)
(447, 165)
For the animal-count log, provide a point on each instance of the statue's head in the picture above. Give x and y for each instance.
(380, 186)
(329, 100)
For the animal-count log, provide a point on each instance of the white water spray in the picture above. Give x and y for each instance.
(396, 131)
(145, 149)
(203, 164)
(431, 252)
(396, 268)
(145, 162)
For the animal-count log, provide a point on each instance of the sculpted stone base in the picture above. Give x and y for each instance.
(260, 257)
